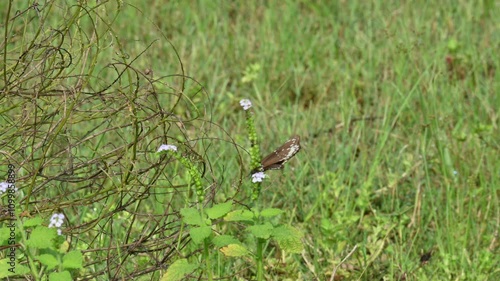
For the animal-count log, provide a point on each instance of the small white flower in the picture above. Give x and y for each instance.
(257, 177)
(59, 232)
(56, 220)
(246, 104)
(167, 147)
(3, 187)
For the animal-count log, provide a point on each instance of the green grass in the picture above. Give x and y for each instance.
(396, 105)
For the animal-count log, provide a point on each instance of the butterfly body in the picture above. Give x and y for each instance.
(277, 159)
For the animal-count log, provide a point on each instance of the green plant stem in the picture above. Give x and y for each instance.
(206, 255)
(29, 254)
(259, 259)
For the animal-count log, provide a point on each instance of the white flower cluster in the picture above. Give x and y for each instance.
(57, 220)
(246, 104)
(4, 186)
(167, 147)
(257, 177)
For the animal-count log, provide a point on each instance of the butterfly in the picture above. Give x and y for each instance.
(277, 159)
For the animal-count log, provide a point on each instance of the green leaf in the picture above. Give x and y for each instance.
(481, 128)
(73, 260)
(191, 216)
(60, 276)
(452, 45)
(240, 215)
(4, 234)
(289, 238)
(6, 268)
(219, 210)
(251, 73)
(33, 222)
(64, 247)
(261, 230)
(178, 270)
(271, 212)
(234, 250)
(224, 240)
(41, 237)
(326, 224)
(48, 260)
(198, 234)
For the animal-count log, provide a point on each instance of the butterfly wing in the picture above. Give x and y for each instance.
(277, 159)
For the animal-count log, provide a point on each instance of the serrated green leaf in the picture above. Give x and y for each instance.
(289, 238)
(60, 276)
(6, 266)
(48, 260)
(224, 240)
(219, 210)
(73, 260)
(178, 270)
(33, 222)
(198, 234)
(291, 244)
(271, 212)
(4, 235)
(261, 230)
(41, 237)
(191, 216)
(240, 215)
(234, 250)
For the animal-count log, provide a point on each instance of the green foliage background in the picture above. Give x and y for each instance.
(396, 103)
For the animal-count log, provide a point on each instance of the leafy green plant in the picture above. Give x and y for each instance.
(47, 253)
(259, 225)
(397, 105)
